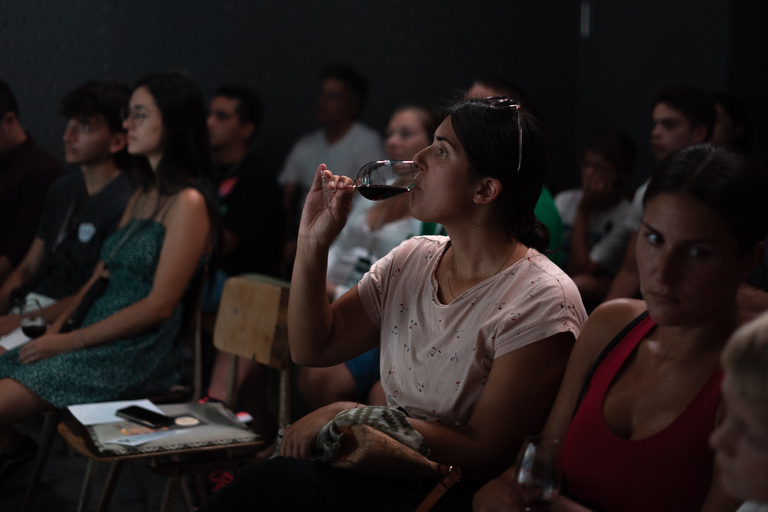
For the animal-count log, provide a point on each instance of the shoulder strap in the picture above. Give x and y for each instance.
(615, 341)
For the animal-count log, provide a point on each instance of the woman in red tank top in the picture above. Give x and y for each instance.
(636, 438)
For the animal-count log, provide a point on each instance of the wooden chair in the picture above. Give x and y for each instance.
(251, 323)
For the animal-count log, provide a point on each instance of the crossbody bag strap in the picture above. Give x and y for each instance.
(451, 477)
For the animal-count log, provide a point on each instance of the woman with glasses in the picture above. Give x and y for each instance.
(474, 328)
(641, 393)
(125, 345)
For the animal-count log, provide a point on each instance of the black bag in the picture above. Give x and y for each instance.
(93, 293)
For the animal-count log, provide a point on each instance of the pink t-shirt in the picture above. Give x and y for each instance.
(436, 358)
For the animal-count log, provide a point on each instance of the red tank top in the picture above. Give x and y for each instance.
(670, 470)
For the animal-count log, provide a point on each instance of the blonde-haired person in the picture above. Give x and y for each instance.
(741, 440)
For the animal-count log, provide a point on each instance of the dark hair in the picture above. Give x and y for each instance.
(505, 87)
(430, 118)
(100, 97)
(694, 103)
(186, 155)
(728, 183)
(490, 137)
(356, 83)
(616, 147)
(738, 113)
(8, 101)
(250, 108)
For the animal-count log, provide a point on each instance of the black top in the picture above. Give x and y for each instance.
(73, 227)
(26, 173)
(251, 204)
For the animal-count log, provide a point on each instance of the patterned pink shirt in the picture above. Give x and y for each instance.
(436, 358)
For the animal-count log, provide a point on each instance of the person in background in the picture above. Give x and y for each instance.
(741, 440)
(26, 173)
(546, 212)
(373, 229)
(681, 115)
(249, 196)
(125, 347)
(82, 207)
(732, 128)
(641, 393)
(342, 142)
(593, 238)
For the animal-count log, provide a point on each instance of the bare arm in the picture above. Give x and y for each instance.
(187, 238)
(626, 284)
(320, 333)
(604, 323)
(31, 263)
(5, 268)
(579, 257)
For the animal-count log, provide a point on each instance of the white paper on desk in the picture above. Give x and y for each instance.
(136, 440)
(104, 412)
(14, 339)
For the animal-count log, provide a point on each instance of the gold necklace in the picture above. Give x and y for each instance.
(450, 270)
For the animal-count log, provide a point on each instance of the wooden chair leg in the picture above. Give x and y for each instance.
(87, 488)
(171, 491)
(109, 487)
(141, 489)
(50, 421)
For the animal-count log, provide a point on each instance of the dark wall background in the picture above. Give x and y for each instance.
(420, 51)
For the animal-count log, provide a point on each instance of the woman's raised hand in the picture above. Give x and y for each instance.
(327, 207)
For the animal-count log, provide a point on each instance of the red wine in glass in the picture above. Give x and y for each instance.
(383, 179)
(33, 324)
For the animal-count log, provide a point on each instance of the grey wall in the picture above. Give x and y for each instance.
(411, 50)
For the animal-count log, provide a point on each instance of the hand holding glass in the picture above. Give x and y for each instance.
(33, 324)
(382, 179)
(536, 482)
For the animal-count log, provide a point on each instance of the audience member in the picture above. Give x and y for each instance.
(741, 440)
(26, 172)
(249, 196)
(641, 394)
(125, 347)
(545, 211)
(372, 230)
(732, 128)
(250, 202)
(81, 208)
(470, 357)
(681, 115)
(342, 142)
(593, 238)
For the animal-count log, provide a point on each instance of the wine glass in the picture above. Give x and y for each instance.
(536, 482)
(33, 324)
(382, 179)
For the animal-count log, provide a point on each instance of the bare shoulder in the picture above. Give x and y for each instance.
(605, 322)
(188, 203)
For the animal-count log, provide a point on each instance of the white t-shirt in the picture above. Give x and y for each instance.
(608, 234)
(357, 247)
(436, 358)
(753, 506)
(345, 157)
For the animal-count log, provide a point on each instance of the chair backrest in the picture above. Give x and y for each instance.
(252, 323)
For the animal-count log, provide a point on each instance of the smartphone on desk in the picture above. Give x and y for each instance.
(144, 416)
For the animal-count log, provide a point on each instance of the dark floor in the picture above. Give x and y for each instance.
(59, 489)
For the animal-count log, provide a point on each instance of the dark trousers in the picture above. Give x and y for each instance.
(300, 484)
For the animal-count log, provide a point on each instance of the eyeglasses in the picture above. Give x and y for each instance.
(502, 102)
(136, 114)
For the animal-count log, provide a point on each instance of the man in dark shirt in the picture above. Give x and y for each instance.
(26, 172)
(82, 208)
(249, 197)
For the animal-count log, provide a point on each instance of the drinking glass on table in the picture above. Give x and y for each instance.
(536, 481)
(33, 324)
